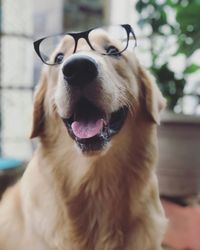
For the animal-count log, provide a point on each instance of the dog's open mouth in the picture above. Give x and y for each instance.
(91, 128)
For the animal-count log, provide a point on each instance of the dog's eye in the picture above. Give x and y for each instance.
(59, 58)
(112, 50)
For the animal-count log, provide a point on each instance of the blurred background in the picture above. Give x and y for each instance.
(168, 34)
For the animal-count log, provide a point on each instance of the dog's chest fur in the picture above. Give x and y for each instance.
(99, 214)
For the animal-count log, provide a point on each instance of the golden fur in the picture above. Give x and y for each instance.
(109, 200)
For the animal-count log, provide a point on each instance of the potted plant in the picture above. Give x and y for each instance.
(172, 29)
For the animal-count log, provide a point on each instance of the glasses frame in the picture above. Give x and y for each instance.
(85, 35)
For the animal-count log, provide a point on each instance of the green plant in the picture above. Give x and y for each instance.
(173, 29)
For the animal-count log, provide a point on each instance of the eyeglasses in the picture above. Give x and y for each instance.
(108, 40)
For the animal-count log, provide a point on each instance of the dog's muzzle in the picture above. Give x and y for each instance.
(90, 126)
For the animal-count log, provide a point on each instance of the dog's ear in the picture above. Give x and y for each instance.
(153, 99)
(38, 107)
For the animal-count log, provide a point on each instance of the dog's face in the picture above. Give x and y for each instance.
(93, 94)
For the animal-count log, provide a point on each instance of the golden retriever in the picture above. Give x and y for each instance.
(91, 183)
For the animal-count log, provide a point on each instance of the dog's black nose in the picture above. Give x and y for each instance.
(80, 70)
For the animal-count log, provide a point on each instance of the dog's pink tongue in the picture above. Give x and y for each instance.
(84, 130)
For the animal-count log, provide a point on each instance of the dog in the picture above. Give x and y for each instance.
(91, 184)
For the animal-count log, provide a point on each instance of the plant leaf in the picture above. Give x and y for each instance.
(191, 68)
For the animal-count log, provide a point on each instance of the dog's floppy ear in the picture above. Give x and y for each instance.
(38, 107)
(154, 101)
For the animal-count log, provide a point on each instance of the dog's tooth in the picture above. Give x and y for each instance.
(105, 122)
(107, 118)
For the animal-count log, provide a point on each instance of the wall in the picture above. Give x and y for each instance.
(16, 77)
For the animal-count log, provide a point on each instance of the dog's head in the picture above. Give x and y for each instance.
(96, 84)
